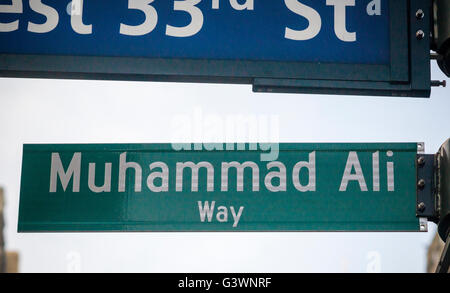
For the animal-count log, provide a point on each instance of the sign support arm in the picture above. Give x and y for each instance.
(443, 189)
(441, 34)
(444, 263)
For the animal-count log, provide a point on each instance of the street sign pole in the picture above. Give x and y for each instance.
(441, 34)
(443, 189)
(444, 262)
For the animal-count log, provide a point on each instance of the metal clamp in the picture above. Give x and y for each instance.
(426, 194)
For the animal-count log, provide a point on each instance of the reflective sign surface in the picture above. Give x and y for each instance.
(291, 187)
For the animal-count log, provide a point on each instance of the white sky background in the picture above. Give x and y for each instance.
(61, 111)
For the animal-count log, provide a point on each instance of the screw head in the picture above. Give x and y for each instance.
(438, 83)
(421, 184)
(421, 207)
(420, 35)
(420, 14)
(421, 161)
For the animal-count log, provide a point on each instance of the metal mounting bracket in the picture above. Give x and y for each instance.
(426, 193)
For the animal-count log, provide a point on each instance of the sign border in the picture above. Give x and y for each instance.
(27, 227)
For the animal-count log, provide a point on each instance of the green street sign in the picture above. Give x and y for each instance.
(227, 187)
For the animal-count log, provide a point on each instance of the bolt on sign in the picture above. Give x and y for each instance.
(162, 187)
(364, 47)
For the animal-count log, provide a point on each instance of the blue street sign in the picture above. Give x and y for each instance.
(266, 30)
(366, 45)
